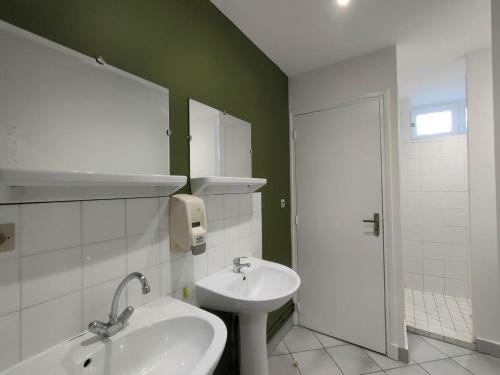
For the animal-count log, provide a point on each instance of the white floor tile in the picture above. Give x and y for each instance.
(443, 316)
(352, 360)
(316, 362)
(448, 349)
(300, 339)
(328, 341)
(444, 367)
(422, 351)
(384, 362)
(409, 370)
(280, 349)
(282, 365)
(479, 364)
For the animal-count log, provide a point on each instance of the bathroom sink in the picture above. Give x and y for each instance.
(252, 293)
(262, 287)
(164, 337)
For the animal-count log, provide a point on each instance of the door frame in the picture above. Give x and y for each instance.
(396, 340)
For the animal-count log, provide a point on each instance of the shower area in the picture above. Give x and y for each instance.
(435, 221)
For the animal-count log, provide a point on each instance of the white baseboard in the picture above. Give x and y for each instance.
(488, 347)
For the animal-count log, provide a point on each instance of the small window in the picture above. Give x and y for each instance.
(438, 121)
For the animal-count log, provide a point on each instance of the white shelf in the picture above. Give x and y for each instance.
(18, 185)
(225, 185)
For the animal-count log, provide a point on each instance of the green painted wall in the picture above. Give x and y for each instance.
(192, 49)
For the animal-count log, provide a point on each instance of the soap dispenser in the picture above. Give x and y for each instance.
(188, 224)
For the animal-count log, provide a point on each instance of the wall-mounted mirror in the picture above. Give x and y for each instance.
(220, 143)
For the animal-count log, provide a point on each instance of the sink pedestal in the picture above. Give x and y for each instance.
(253, 344)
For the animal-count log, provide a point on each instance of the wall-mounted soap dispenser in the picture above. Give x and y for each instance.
(188, 224)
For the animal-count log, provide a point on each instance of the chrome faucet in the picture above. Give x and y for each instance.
(237, 265)
(117, 323)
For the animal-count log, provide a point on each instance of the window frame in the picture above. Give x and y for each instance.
(458, 122)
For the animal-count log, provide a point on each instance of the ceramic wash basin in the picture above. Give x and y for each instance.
(257, 290)
(263, 287)
(164, 337)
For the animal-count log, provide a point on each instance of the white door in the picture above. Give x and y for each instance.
(338, 168)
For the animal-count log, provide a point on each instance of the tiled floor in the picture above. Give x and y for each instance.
(439, 316)
(304, 352)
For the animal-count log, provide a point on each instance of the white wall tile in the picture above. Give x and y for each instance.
(9, 286)
(434, 284)
(197, 267)
(431, 149)
(232, 228)
(257, 202)
(455, 217)
(103, 220)
(412, 248)
(178, 273)
(456, 164)
(457, 288)
(432, 233)
(431, 166)
(9, 214)
(50, 323)
(9, 340)
(97, 301)
(432, 200)
(454, 146)
(454, 182)
(231, 250)
(432, 182)
(164, 214)
(164, 247)
(432, 217)
(411, 183)
(455, 200)
(434, 209)
(434, 267)
(413, 264)
(142, 215)
(231, 205)
(456, 269)
(143, 251)
(411, 199)
(414, 281)
(215, 256)
(49, 226)
(166, 286)
(245, 202)
(216, 233)
(104, 261)
(50, 275)
(433, 250)
(455, 235)
(455, 252)
(256, 223)
(214, 205)
(135, 297)
(245, 226)
(256, 245)
(119, 236)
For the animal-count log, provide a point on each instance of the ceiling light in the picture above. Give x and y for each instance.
(343, 3)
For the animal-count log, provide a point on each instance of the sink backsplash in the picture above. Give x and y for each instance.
(70, 257)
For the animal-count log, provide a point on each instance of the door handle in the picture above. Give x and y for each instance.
(376, 224)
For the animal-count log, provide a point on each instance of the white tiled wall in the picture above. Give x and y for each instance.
(434, 212)
(71, 256)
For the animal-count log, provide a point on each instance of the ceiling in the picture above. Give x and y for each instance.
(432, 36)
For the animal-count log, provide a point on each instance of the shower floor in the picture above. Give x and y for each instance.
(439, 316)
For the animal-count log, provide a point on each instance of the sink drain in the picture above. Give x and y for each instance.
(87, 362)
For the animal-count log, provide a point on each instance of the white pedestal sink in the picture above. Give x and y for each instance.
(253, 293)
(164, 337)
